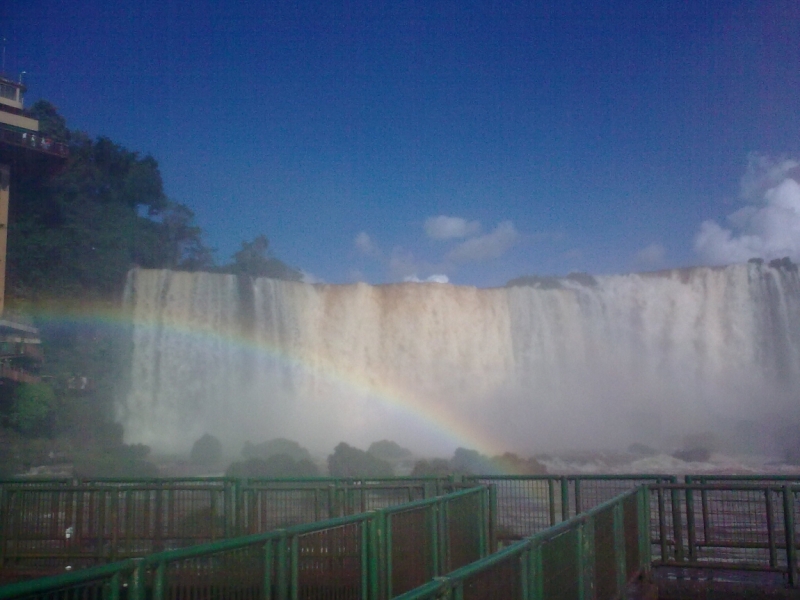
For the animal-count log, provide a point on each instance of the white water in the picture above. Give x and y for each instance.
(633, 358)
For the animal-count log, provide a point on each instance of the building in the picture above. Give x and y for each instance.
(23, 149)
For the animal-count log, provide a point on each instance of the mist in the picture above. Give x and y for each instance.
(583, 364)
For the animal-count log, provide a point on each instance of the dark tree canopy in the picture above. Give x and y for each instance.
(51, 124)
(347, 461)
(389, 451)
(276, 465)
(254, 259)
(207, 450)
(276, 446)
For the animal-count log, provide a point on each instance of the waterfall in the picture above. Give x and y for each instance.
(579, 362)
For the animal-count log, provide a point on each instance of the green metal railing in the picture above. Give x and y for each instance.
(527, 504)
(592, 555)
(734, 525)
(354, 556)
(47, 526)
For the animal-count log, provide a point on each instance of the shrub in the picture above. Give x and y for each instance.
(388, 450)
(277, 446)
(436, 467)
(347, 461)
(277, 465)
(207, 450)
(33, 404)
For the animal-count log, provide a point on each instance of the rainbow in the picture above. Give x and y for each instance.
(435, 418)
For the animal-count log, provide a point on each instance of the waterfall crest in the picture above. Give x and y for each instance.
(583, 363)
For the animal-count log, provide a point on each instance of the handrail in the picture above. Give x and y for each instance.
(697, 531)
(451, 585)
(275, 546)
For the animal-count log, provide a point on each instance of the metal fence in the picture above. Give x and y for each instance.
(46, 527)
(360, 556)
(527, 504)
(732, 526)
(592, 555)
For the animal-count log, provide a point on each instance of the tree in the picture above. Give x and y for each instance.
(276, 465)
(172, 241)
(33, 404)
(277, 446)
(470, 462)
(389, 451)
(347, 461)
(436, 467)
(207, 450)
(254, 259)
(51, 124)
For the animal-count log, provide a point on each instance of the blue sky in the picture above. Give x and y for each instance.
(474, 139)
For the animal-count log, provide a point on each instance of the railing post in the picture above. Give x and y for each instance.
(564, 499)
(332, 512)
(283, 583)
(268, 558)
(294, 581)
(677, 525)
(4, 514)
(662, 524)
(578, 503)
(380, 556)
(160, 583)
(492, 516)
(551, 500)
(690, 525)
(444, 511)
(436, 552)
(536, 569)
(114, 586)
(137, 583)
(620, 563)
(645, 545)
(791, 550)
(773, 556)
(387, 557)
(586, 560)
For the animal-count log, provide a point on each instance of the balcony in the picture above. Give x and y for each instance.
(33, 141)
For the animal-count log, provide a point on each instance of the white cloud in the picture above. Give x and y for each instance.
(439, 278)
(487, 246)
(651, 255)
(769, 229)
(763, 173)
(366, 245)
(446, 228)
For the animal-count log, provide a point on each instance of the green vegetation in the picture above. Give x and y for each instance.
(471, 462)
(33, 406)
(207, 450)
(274, 458)
(75, 231)
(274, 447)
(276, 465)
(389, 451)
(347, 461)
